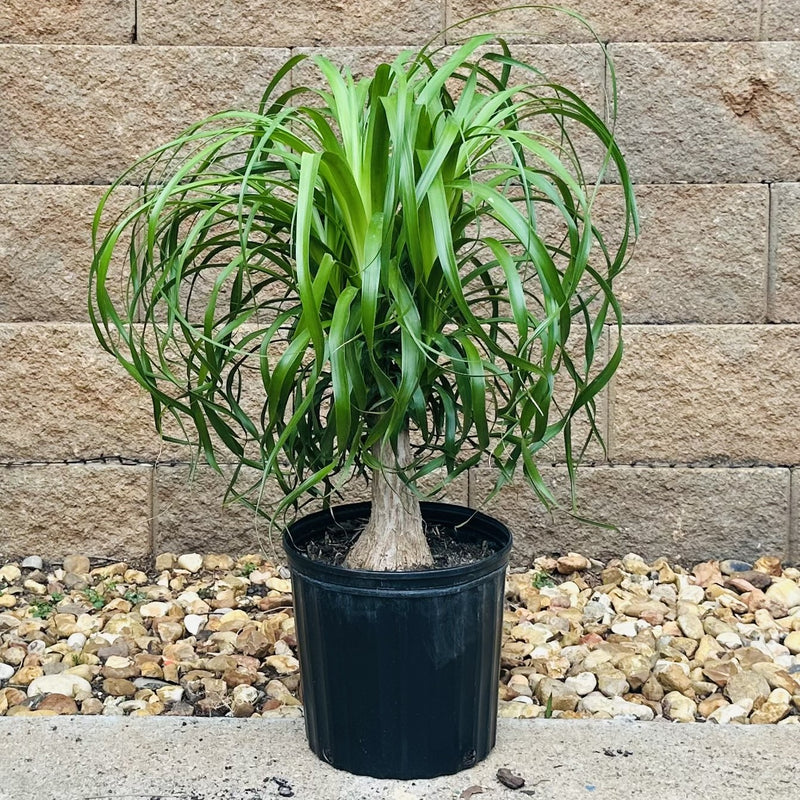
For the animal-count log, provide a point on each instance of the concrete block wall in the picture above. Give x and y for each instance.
(702, 418)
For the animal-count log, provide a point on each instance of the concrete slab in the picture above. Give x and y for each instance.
(114, 758)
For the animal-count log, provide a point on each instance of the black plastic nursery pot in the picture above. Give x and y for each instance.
(400, 669)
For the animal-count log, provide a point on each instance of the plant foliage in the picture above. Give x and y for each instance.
(414, 250)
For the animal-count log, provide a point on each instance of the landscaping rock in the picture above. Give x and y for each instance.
(572, 562)
(678, 707)
(770, 713)
(59, 703)
(192, 562)
(212, 635)
(64, 683)
(785, 591)
(749, 686)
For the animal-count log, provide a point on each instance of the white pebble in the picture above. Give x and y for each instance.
(245, 694)
(604, 599)
(582, 684)
(170, 694)
(282, 649)
(724, 715)
(154, 609)
(76, 641)
(729, 639)
(694, 594)
(626, 628)
(615, 706)
(63, 683)
(9, 573)
(193, 623)
(192, 562)
(6, 671)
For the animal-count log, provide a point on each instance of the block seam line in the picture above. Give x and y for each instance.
(132, 461)
(607, 54)
(707, 182)
(791, 545)
(153, 513)
(135, 31)
(772, 251)
(608, 401)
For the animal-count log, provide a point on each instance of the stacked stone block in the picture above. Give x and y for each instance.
(701, 421)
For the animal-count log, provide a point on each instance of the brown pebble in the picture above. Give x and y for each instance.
(119, 687)
(15, 697)
(240, 676)
(572, 562)
(59, 703)
(91, 706)
(771, 565)
(180, 710)
(508, 778)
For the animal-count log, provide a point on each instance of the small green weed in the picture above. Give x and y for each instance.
(95, 598)
(548, 709)
(248, 569)
(134, 597)
(42, 609)
(541, 579)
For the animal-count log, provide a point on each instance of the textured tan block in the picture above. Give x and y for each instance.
(709, 112)
(64, 397)
(781, 19)
(579, 66)
(190, 513)
(684, 514)
(58, 509)
(784, 301)
(68, 21)
(84, 114)
(190, 516)
(46, 251)
(708, 393)
(701, 255)
(636, 20)
(304, 22)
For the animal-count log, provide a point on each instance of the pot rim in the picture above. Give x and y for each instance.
(421, 579)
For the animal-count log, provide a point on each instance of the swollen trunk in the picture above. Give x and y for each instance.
(394, 538)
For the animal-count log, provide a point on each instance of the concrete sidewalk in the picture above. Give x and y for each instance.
(114, 758)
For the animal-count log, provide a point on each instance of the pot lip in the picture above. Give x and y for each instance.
(428, 578)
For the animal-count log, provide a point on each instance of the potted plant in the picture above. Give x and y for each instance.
(357, 280)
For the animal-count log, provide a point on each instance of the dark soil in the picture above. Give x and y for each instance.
(450, 547)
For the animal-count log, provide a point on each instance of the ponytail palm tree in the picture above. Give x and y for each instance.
(381, 277)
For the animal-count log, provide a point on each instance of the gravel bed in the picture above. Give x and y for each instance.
(210, 635)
